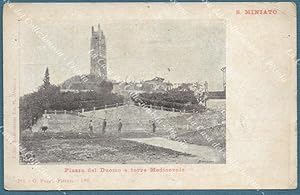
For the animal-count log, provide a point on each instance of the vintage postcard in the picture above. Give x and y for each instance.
(150, 96)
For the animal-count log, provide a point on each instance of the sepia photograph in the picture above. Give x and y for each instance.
(124, 92)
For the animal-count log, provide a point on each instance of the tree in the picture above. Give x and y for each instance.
(46, 79)
(106, 87)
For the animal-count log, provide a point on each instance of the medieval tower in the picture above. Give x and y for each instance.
(98, 54)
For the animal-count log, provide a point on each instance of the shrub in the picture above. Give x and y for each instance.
(182, 100)
(50, 98)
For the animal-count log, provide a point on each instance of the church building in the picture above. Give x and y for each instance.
(97, 79)
(98, 53)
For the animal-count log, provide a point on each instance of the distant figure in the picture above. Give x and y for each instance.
(120, 126)
(33, 120)
(45, 124)
(103, 126)
(153, 126)
(91, 126)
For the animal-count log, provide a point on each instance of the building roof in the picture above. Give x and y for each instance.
(82, 82)
(216, 95)
(156, 79)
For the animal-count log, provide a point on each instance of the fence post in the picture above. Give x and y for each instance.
(45, 111)
(82, 110)
(105, 106)
(150, 106)
(65, 112)
(94, 108)
(173, 109)
(55, 112)
(162, 108)
(184, 111)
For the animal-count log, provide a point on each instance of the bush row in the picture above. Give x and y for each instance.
(179, 102)
(32, 105)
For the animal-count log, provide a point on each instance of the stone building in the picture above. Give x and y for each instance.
(216, 99)
(97, 79)
(98, 53)
(156, 84)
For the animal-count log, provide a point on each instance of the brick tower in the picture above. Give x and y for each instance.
(98, 54)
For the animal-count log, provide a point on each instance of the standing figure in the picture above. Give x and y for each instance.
(91, 126)
(33, 121)
(44, 127)
(153, 126)
(120, 126)
(103, 126)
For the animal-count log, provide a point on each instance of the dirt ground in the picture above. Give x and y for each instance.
(81, 148)
(65, 144)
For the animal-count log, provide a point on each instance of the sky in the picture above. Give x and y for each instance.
(177, 50)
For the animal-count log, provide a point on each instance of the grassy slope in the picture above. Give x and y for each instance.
(68, 141)
(76, 148)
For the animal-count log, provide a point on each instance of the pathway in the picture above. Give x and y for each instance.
(203, 153)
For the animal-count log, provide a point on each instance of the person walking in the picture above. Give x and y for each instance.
(120, 126)
(153, 126)
(91, 126)
(104, 126)
(32, 123)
